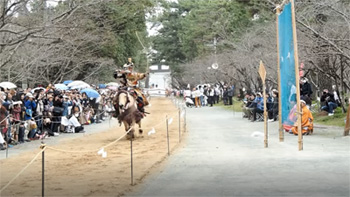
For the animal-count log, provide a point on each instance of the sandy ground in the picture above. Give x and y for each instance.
(88, 174)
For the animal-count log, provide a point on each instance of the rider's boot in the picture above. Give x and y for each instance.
(140, 107)
(116, 113)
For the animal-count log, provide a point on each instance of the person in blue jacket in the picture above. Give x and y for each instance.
(30, 106)
(66, 103)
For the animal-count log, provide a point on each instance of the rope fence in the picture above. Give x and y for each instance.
(99, 150)
(15, 177)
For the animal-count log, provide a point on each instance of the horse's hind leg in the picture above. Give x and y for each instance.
(140, 129)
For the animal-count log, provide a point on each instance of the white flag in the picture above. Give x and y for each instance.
(101, 151)
(152, 131)
(170, 120)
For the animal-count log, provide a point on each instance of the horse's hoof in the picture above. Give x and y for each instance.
(140, 131)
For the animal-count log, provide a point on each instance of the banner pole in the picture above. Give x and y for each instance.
(280, 127)
(296, 58)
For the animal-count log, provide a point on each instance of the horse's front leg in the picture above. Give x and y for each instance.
(140, 129)
(130, 134)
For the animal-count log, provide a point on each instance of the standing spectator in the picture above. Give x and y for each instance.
(30, 106)
(211, 96)
(201, 95)
(3, 125)
(273, 111)
(217, 94)
(225, 96)
(8, 104)
(57, 113)
(328, 99)
(39, 111)
(230, 93)
(16, 115)
(66, 103)
(305, 91)
(196, 94)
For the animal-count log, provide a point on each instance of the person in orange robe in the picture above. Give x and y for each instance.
(306, 121)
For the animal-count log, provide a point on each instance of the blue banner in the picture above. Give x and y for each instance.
(287, 67)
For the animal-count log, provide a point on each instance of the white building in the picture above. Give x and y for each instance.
(159, 77)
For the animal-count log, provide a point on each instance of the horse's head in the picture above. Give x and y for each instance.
(123, 101)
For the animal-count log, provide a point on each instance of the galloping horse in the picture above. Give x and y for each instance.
(129, 115)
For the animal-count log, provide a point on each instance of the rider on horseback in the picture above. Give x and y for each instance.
(130, 79)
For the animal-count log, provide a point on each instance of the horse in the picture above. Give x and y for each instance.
(129, 115)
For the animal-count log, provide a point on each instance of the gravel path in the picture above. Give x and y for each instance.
(222, 158)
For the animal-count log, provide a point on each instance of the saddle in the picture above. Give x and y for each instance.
(139, 101)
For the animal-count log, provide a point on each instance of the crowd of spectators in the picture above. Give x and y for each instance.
(207, 95)
(253, 105)
(27, 115)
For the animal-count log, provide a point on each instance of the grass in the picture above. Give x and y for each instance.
(237, 105)
(336, 120)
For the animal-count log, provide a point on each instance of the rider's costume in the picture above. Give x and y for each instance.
(130, 79)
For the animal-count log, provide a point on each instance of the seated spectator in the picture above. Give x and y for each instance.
(306, 121)
(34, 134)
(247, 101)
(329, 102)
(259, 106)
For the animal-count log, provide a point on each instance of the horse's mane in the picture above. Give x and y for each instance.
(129, 114)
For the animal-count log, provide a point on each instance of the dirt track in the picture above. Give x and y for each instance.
(88, 174)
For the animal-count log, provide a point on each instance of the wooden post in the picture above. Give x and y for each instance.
(296, 59)
(262, 73)
(167, 134)
(185, 120)
(280, 126)
(43, 173)
(131, 164)
(7, 148)
(347, 123)
(179, 125)
(266, 143)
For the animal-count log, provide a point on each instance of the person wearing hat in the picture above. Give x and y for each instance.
(306, 121)
(30, 106)
(132, 79)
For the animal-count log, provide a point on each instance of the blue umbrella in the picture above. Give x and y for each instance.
(67, 82)
(102, 86)
(90, 92)
(61, 86)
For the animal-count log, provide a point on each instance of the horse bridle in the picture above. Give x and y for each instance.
(125, 107)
